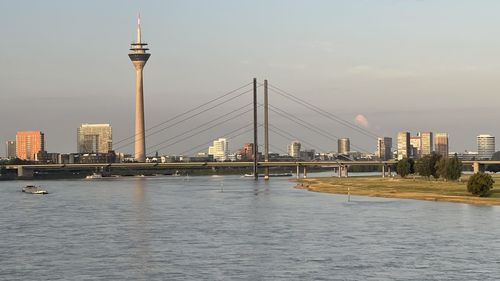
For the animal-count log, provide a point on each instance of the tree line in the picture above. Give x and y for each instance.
(433, 165)
(436, 166)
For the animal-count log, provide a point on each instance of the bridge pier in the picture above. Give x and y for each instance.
(476, 166)
(305, 172)
(24, 173)
(298, 172)
(343, 171)
(383, 171)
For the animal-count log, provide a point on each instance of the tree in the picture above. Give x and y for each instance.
(453, 168)
(423, 167)
(433, 161)
(441, 168)
(427, 166)
(411, 162)
(403, 167)
(480, 184)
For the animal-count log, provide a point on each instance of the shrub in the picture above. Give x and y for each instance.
(480, 184)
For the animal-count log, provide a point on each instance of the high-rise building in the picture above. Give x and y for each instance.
(10, 149)
(384, 148)
(403, 147)
(485, 146)
(294, 149)
(94, 138)
(219, 150)
(246, 151)
(441, 144)
(343, 146)
(427, 143)
(416, 146)
(28, 144)
(139, 57)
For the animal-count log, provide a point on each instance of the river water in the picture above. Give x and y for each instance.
(233, 228)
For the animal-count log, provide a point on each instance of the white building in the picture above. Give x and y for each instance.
(219, 150)
(485, 146)
(403, 145)
(427, 143)
(384, 148)
(294, 149)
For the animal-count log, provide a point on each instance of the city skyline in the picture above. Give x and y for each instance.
(330, 54)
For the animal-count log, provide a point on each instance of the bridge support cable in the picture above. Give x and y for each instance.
(290, 135)
(287, 136)
(310, 126)
(187, 118)
(229, 136)
(323, 112)
(199, 132)
(195, 109)
(230, 116)
(277, 149)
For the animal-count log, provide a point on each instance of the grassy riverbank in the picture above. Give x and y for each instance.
(418, 188)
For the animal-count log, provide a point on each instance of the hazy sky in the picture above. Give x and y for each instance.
(404, 65)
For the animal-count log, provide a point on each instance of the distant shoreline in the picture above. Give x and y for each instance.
(418, 189)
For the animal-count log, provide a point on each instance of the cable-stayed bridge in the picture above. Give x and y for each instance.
(251, 126)
(159, 137)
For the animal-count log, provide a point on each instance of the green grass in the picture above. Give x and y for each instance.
(411, 188)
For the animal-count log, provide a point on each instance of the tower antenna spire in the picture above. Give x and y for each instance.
(139, 28)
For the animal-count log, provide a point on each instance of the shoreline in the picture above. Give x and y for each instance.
(409, 188)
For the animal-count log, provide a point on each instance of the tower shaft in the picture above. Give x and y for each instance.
(140, 134)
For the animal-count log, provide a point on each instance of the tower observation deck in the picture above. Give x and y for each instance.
(139, 57)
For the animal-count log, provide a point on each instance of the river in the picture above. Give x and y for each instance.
(233, 228)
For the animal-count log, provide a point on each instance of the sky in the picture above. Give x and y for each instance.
(386, 65)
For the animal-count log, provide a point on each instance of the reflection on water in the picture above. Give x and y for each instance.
(174, 228)
(140, 229)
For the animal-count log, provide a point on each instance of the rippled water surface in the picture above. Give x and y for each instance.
(232, 228)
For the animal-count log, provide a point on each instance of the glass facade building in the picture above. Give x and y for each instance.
(94, 138)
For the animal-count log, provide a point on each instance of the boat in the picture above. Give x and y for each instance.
(270, 175)
(94, 176)
(34, 189)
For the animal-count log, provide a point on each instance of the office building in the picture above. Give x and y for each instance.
(427, 143)
(94, 138)
(415, 146)
(343, 146)
(403, 145)
(441, 144)
(219, 150)
(10, 149)
(384, 148)
(294, 149)
(485, 146)
(246, 152)
(28, 144)
(307, 155)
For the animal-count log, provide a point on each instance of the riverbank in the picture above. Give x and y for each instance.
(418, 188)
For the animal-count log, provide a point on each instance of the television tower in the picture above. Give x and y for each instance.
(139, 57)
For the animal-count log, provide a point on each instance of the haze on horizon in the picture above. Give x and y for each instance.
(392, 64)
